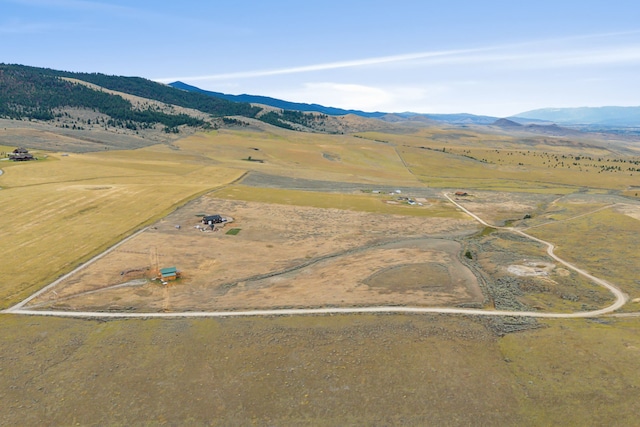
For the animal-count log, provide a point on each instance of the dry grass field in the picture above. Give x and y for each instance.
(309, 213)
(328, 370)
(283, 256)
(605, 243)
(58, 213)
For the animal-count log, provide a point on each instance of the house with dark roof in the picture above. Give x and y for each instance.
(212, 219)
(21, 155)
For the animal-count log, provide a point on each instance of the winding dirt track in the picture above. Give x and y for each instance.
(621, 297)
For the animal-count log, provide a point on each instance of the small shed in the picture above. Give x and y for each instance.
(461, 193)
(169, 273)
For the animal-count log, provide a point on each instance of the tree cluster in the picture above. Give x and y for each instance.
(284, 118)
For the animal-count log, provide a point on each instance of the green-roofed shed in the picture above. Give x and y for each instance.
(169, 273)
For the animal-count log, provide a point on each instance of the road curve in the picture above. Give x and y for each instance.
(621, 297)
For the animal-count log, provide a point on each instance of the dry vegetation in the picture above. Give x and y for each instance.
(283, 257)
(58, 213)
(322, 370)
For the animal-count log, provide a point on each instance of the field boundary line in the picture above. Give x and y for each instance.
(52, 285)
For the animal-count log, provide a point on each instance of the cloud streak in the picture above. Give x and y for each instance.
(325, 66)
(24, 27)
(536, 54)
(74, 5)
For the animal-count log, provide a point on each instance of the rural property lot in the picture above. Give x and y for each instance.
(283, 256)
(280, 255)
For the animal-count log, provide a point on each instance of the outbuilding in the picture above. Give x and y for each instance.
(169, 273)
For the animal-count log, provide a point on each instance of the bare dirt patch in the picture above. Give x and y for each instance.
(285, 256)
(531, 268)
(630, 210)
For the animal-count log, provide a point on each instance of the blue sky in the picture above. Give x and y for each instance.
(483, 57)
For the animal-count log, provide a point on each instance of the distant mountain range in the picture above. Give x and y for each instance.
(277, 103)
(462, 118)
(586, 118)
(543, 129)
(601, 116)
(39, 93)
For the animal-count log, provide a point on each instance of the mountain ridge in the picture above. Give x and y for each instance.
(603, 116)
(277, 103)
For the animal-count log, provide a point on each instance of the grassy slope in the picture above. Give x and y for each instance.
(300, 155)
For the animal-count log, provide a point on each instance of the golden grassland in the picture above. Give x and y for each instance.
(300, 155)
(57, 214)
(453, 158)
(575, 372)
(316, 370)
(604, 243)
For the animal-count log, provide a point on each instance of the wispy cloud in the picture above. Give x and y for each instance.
(394, 97)
(29, 27)
(74, 5)
(325, 66)
(551, 53)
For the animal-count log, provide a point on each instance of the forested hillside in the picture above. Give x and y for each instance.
(28, 93)
(38, 93)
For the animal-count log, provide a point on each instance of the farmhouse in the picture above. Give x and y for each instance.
(21, 155)
(212, 219)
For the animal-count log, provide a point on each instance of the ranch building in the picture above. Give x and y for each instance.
(169, 273)
(21, 155)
